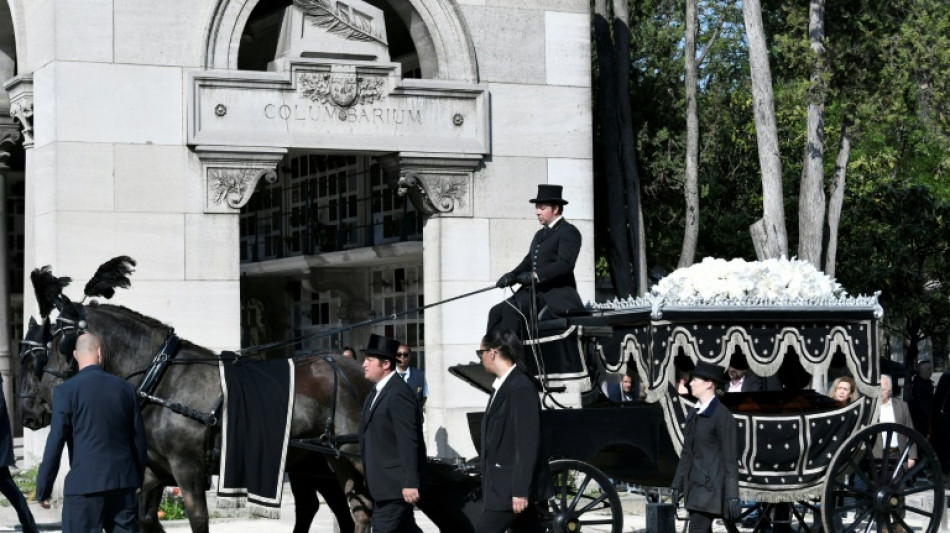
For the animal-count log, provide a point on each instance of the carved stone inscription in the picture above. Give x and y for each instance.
(338, 106)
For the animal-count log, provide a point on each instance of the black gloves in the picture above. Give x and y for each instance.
(675, 497)
(525, 278)
(505, 281)
(733, 509)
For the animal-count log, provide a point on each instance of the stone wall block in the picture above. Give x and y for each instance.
(160, 33)
(541, 121)
(44, 179)
(151, 178)
(84, 176)
(567, 48)
(510, 242)
(504, 186)
(85, 240)
(118, 103)
(509, 44)
(464, 256)
(577, 178)
(212, 247)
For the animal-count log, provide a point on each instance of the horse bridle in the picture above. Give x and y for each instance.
(40, 352)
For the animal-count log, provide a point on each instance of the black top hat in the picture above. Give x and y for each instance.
(549, 194)
(709, 372)
(382, 347)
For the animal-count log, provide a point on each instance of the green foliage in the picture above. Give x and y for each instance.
(172, 504)
(26, 480)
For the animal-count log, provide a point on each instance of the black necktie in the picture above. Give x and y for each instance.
(402, 375)
(369, 400)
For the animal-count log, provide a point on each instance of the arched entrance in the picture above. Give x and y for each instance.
(329, 119)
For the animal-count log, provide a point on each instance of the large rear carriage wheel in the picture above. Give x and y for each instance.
(584, 498)
(871, 487)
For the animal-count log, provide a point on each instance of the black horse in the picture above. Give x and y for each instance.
(177, 444)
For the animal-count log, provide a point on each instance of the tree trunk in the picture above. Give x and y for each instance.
(628, 147)
(771, 232)
(691, 185)
(811, 199)
(836, 195)
(618, 250)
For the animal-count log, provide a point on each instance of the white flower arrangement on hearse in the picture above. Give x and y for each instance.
(718, 282)
(738, 279)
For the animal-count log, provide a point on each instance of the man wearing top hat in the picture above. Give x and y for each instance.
(549, 264)
(391, 443)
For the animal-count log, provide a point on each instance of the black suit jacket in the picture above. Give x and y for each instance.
(708, 471)
(6, 436)
(552, 256)
(96, 415)
(391, 443)
(512, 462)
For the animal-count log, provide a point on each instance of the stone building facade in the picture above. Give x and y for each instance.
(284, 167)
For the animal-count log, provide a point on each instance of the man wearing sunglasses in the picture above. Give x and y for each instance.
(415, 378)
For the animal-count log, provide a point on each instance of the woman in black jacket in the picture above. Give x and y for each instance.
(515, 474)
(708, 471)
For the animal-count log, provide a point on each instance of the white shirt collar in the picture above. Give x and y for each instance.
(554, 222)
(382, 383)
(701, 407)
(501, 379)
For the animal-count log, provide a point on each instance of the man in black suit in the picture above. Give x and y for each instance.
(515, 473)
(391, 443)
(549, 265)
(415, 378)
(97, 416)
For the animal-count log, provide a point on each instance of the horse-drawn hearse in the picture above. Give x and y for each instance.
(806, 462)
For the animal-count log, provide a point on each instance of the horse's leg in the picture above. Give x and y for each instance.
(361, 505)
(150, 498)
(306, 503)
(192, 485)
(329, 487)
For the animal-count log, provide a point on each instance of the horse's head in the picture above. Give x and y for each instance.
(38, 376)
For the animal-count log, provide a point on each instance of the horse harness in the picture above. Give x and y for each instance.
(329, 442)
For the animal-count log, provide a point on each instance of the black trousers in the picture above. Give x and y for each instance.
(512, 313)
(111, 510)
(700, 522)
(13, 494)
(394, 516)
(527, 521)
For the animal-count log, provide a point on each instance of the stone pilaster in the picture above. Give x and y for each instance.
(231, 174)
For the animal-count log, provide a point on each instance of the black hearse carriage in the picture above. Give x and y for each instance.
(806, 462)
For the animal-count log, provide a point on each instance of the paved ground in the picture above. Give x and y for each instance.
(238, 521)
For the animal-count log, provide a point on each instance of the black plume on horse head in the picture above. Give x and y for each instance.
(112, 274)
(47, 287)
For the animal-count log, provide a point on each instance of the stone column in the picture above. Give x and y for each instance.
(20, 90)
(455, 262)
(9, 137)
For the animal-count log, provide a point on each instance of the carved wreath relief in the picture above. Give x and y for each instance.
(342, 90)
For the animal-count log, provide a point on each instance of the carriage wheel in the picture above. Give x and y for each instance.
(862, 492)
(799, 517)
(583, 497)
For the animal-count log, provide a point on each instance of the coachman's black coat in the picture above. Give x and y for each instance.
(708, 471)
(552, 257)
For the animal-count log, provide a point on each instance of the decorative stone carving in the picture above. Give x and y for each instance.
(342, 90)
(20, 90)
(436, 185)
(233, 186)
(439, 195)
(340, 18)
(231, 174)
(9, 137)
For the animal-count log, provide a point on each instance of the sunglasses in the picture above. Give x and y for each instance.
(402, 354)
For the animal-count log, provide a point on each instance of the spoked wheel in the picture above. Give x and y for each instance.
(870, 486)
(798, 517)
(584, 500)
